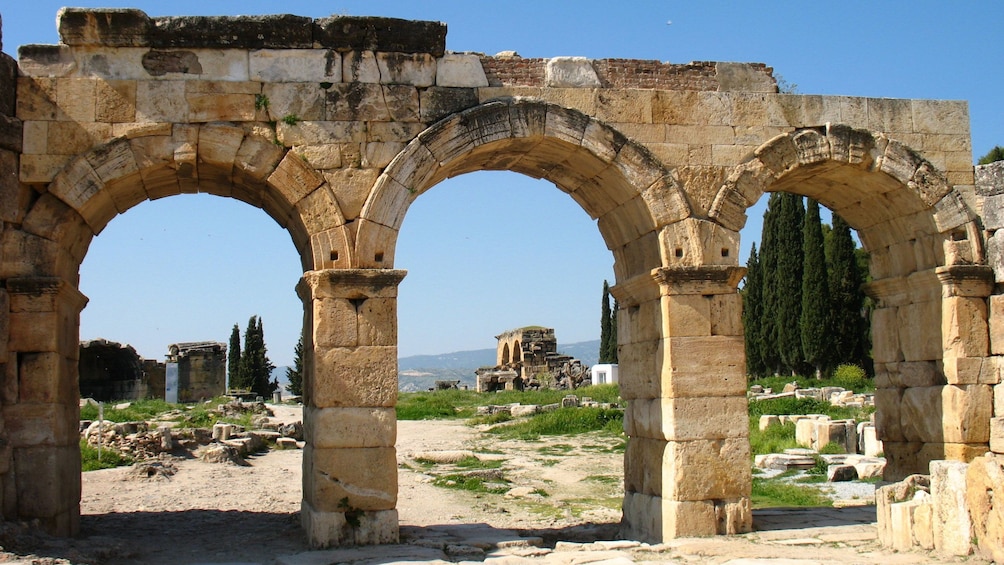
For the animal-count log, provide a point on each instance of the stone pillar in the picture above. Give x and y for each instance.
(349, 392)
(687, 464)
(41, 478)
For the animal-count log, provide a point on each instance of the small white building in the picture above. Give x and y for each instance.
(604, 374)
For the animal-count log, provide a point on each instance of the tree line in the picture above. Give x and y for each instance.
(249, 367)
(803, 308)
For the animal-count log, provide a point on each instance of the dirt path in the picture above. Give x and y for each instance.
(566, 489)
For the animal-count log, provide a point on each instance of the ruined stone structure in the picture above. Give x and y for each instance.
(110, 371)
(526, 356)
(202, 369)
(335, 126)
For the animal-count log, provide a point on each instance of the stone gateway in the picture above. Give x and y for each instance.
(335, 126)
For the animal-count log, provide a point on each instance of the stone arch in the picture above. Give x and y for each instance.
(505, 355)
(616, 181)
(238, 161)
(881, 187)
(930, 279)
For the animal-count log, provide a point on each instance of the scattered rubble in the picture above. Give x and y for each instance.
(517, 410)
(149, 442)
(835, 395)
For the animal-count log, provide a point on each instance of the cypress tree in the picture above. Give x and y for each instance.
(234, 360)
(256, 369)
(788, 281)
(814, 323)
(612, 342)
(752, 294)
(768, 321)
(294, 374)
(848, 331)
(605, 325)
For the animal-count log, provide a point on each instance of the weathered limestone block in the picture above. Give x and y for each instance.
(351, 187)
(327, 529)
(868, 442)
(726, 314)
(327, 428)
(161, 101)
(416, 69)
(996, 323)
(360, 376)
(923, 523)
(44, 378)
(570, 72)
(460, 70)
(947, 414)
(303, 100)
(335, 323)
(294, 179)
(901, 519)
(952, 524)
(995, 253)
(703, 366)
(367, 476)
(41, 424)
(380, 34)
(319, 210)
(53, 493)
(964, 326)
(687, 315)
(693, 242)
(295, 65)
(768, 420)
(642, 357)
(377, 322)
(643, 459)
(437, 102)
(923, 342)
(997, 434)
(726, 471)
(320, 133)
(357, 101)
(684, 419)
(984, 482)
(656, 519)
(376, 156)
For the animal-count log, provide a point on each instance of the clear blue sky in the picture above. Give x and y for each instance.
(490, 251)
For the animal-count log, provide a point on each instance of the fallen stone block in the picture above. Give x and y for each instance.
(841, 473)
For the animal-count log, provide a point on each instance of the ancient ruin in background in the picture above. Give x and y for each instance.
(335, 126)
(528, 357)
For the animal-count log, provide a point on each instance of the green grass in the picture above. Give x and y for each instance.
(109, 458)
(475, 463)
(564, 421)
(768, 493)
(138, 410)
(462, 403)
(472, 484)
(774, 439)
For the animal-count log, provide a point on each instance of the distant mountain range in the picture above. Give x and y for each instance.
(420, 372)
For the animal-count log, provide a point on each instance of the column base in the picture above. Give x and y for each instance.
(360, 527)
(653, 519)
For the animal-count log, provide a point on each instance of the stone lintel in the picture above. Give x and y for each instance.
(134, 28)
(53, 287)
(705, 279)
(350, 283)
(966, 280)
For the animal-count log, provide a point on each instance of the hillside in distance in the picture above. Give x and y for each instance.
(420, 372)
